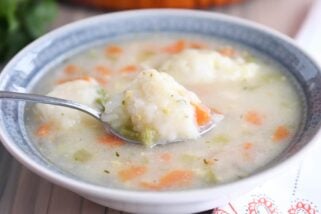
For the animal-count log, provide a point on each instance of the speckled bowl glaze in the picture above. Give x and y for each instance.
(26, 68)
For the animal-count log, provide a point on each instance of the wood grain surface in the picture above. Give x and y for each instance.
(23, 192)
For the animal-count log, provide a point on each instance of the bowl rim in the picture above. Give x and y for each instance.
(169, 197)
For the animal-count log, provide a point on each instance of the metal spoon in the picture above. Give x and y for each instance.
(92, 112)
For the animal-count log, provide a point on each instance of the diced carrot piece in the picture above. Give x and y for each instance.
(101, 80)
(102, 70)
(176, 178)
(63, 80)
(247, 145)
(113, 50)
(149, 185)
(70, 69)
(86, 78)
(197, 45)
(203, 114)
(280, 133)
(176, 47)
(227, 51)
(129, 69)
(110, 140)
(131, 172)
(247, 151)
(44, 129)
(253, 117)
(166, 156)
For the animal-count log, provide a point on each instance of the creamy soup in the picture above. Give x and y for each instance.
(260, 106)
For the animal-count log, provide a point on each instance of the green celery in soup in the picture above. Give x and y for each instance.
(260, 106)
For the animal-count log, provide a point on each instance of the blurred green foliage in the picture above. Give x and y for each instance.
(21, 21)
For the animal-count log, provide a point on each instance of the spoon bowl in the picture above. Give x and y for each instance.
(216, 118)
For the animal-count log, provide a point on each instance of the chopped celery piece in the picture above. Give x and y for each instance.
(272, 77)
(82, 156)
(129, 132)
(249, 58)
(102, 98)
(166, 111)
(148, 137)
(145, 55)
(92, 54)
(221, 139)
(102, 92)
(188, 158)
(209, 176)
(101, 103)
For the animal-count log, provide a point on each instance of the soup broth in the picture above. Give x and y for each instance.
(261, 115)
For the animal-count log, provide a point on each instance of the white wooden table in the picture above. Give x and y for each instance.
(23, 192)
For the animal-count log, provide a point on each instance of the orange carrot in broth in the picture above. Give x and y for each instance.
(70, 69)
(129, 69)
(110, 140)
(113, 50)
(178, 177)
(101, 80)
(44, 129)
(64, 80)
(85, 78)
(203, 114)
(102, 70)
(149, 185)
(131, 172)
(197, 45)
(247, 145)
(176, 47)
(253, 117)
(280, 133)
(174, 178)
(227, 51)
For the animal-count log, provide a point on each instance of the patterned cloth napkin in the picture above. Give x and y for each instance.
(298, 191)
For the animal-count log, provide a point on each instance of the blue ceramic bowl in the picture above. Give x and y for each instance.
(27, 67)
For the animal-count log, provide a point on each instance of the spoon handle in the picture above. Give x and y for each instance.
(49, 100)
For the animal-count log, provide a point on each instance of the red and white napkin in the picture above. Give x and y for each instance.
(297, 191)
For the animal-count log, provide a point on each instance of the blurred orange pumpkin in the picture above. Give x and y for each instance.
(134, 4)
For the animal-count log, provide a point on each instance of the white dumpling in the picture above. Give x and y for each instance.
(204, 66)
(82, 91)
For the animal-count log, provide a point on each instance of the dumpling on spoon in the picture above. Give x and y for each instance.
(155, 109)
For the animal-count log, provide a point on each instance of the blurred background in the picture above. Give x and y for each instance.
(21, 21)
